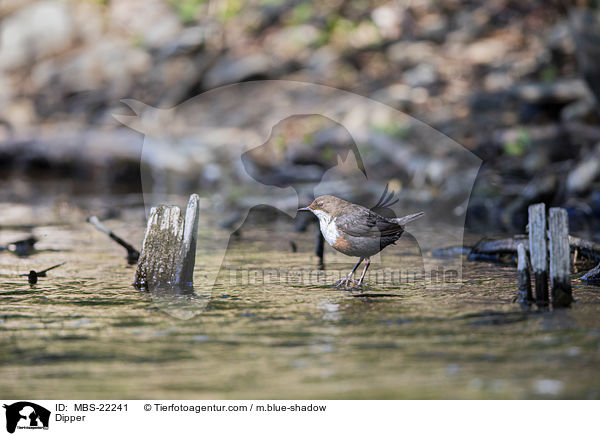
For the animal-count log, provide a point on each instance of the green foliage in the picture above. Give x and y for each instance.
(519, 146)
(302, 13)
(322, 38)
(137, 40)
(342, 25)
(327, 154)
(280, 141)
(270, 2)
(187, 10)
(231, 9)
(99, 2)
(398, 131)
(549, 74)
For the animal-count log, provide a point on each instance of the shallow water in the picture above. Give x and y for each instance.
(84, 332)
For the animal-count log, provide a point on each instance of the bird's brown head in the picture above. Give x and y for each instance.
(326, 203)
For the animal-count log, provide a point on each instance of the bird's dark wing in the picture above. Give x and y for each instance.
(367, 224)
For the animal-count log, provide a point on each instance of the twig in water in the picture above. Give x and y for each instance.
(32, 277)
(132, 254)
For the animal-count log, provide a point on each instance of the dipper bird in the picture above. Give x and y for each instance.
(355, 230)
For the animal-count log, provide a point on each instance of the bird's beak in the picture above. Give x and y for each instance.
(305, 208)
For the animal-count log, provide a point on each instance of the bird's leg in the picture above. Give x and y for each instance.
(320, 249)
(348, 278)
(359, 284)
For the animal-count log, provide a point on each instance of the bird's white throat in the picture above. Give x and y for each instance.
(328, 226)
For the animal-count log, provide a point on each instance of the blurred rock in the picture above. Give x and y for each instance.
(541, 189)
(559, 38)
(486, 51)
(421, 75)
(498, 81)
(325, 63)
(588, 170)
(585, 23)
(365, 35)
(411, 53)
(188, 41)
(560, 91)
(7, 7)
(471, 24)
(401, 96)
(20, 113)
(580, 110)
(110, 64)
(37, 31)
(291, 42)
(89, 20)
(180, 76)
(434, 27)
(154, 23)
(231, 69)
(388, 18)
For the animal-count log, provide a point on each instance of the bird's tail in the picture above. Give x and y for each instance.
(408, 218)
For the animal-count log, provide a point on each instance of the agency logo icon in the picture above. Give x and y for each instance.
(26, 415)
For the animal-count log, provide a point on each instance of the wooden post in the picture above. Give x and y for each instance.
(169, 249)
(538, 251)
(560, 261)
(524, 297)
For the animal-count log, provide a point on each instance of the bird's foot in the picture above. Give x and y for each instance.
(359, 286)
(347, 283)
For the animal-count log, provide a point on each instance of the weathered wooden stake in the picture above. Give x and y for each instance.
(538, 251)
(560, 260)
(524, 297)
(169, 250)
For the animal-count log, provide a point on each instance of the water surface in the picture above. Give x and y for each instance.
(84, 332)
